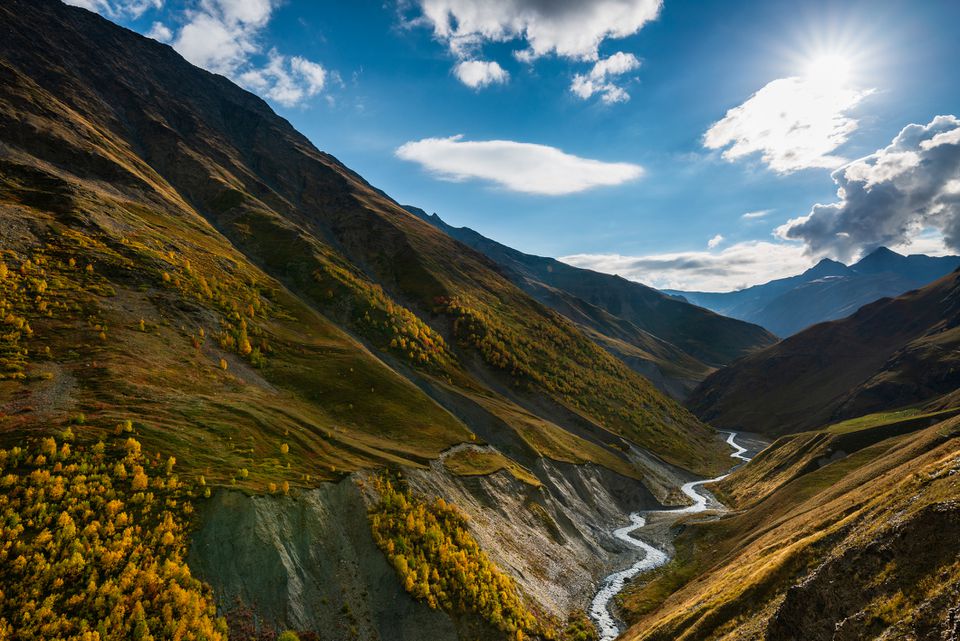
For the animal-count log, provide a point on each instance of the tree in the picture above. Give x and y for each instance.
(132, 446)
(139, 480)
(141, 632)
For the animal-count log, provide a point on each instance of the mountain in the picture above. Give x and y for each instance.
(827, 291)
(222, 347)
(672, 343)
(889, 354)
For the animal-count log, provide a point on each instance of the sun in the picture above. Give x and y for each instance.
(829, 69)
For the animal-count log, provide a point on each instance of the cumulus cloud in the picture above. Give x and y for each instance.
(756, 215)
(118, 8)
(569, 29)
(477, 74)
(793, 123)
(160, 31)
(715, 242)
(517, 166)
(600, 78)
(891, 196)
(288, 81)
(735, 267)
(225, 36)
(221, 35)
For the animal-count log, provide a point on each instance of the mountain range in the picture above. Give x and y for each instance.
(827, 291)
(246, 395)
(671, 342)
(892, 353)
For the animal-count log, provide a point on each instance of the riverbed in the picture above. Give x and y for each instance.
(607, 626)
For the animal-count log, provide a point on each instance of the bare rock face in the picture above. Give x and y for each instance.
(308, 562)
(555, 540)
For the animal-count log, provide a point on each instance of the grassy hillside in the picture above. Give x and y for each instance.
(283, 300)
(860, 545)
(890, 354)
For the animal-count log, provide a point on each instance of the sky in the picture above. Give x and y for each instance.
(699, 145)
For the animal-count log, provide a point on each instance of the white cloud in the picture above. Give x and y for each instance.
(756, 215)
(517, 166)
(224, 36)
(735, 267)
(793, 123)
(567, 28)
(714, 242)
(616, 65)
(118, 8)
(288, 81)
(890, 197)
(930, 242)
(477, 74)
(570, 29)
(161, 32)
(598, 80)
(221, 35)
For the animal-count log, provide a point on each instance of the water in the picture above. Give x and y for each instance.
(653, 557)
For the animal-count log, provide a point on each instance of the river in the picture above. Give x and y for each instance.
(653, 557)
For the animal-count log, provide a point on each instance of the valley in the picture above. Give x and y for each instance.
(653, 557)
(245, 394)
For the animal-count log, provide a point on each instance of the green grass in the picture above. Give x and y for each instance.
(883, 418)
(473, 462)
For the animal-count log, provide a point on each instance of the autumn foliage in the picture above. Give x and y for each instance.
(438, 561)
(92, 548)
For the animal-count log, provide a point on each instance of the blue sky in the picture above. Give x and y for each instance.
(628, 136)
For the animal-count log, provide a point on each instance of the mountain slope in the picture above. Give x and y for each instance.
(672, 343)
(182, 146)
(889, 354)
(858, 541)
(827, 291)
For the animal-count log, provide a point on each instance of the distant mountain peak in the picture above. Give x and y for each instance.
(829, 290)
(883, 251)
(826, 267)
